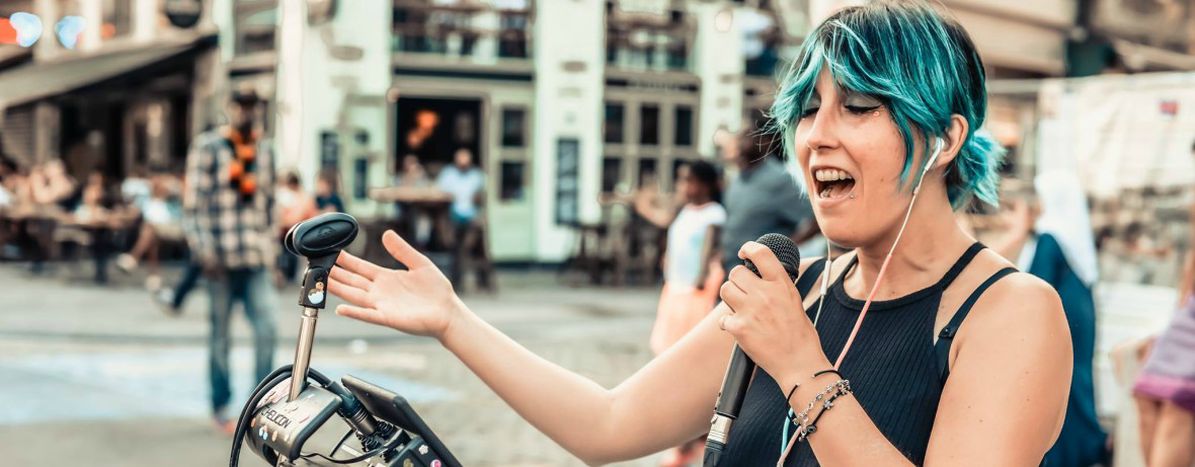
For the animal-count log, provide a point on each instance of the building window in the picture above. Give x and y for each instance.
(511, 185)
(648, 36)
(648, 177)
(649, 125)
(453, 27)
(611, 174)
(514, 128)
(612, 128)
(512, 35)
(684, 126)
(256, 22)
(118, 18)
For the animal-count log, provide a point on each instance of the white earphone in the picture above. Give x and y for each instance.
(938, 144)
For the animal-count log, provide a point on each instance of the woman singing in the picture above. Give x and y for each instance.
(918, 347)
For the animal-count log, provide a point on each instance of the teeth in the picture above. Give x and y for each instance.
(831, 175)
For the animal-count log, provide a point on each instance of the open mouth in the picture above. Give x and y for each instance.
(833, 184)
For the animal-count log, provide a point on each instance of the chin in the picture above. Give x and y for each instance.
(841, 232)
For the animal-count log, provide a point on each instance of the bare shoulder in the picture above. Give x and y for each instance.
(1020, 300)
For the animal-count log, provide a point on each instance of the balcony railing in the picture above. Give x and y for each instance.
(464, 29)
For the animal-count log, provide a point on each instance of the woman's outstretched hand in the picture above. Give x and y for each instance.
(417, 301)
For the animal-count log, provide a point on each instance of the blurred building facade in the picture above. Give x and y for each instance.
(558, 100)
(109, 85)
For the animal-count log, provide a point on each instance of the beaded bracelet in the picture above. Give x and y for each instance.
(802, 418)
(788, 398)
(841, 388)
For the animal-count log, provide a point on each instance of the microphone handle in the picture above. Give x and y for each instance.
(730, 402)
(735, 384)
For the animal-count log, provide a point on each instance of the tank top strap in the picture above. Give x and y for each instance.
(810, 276)
(946, 335)
(959, 265)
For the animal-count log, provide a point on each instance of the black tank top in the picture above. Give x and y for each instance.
(895, 368)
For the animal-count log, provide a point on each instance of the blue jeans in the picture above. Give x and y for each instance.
(252, 288)
(186, 283)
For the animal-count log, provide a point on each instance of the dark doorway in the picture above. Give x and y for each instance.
(433, 129)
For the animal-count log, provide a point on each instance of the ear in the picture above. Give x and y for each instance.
(953, 139)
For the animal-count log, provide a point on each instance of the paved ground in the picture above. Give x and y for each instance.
(98, 373)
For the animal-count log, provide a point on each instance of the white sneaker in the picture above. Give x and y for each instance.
(153, 283)
(126, 263)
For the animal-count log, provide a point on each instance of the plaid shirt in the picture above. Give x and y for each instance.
(222, 226)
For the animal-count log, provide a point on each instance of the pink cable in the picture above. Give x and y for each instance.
(866, 305)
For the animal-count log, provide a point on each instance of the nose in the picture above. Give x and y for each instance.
(821, 135)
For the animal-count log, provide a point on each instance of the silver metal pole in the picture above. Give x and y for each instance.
(298, 378)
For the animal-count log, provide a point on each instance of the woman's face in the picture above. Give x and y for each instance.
(851, 155)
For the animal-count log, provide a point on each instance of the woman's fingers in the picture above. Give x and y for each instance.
(764, 260)
(348, 278)
(349, 293)
(403, 251)
(731, 294)
(358, 266)
(368, 315)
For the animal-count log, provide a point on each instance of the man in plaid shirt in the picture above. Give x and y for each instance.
(227, 202)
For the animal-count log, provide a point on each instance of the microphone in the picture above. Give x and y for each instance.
(738, 374)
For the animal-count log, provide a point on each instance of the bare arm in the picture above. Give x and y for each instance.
(664, 404)
(709, 253)
(1010, 375)
(646, 207)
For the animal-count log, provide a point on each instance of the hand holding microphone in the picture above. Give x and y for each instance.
(770, 327)
(768, 319)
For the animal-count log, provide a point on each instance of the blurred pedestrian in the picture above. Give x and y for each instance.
(136, 188)
(466, 183)
(763, 198)
(418, 222)
(692, 268)
(1050, 236)
(51, 191)
(229, 190)
(294, 206)
(161, 220)
(52, 186)
(1165, 389)
(9, 176)
(96, 213)
(170, 300)
(327, 192)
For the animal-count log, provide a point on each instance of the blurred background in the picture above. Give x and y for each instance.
(576, 116)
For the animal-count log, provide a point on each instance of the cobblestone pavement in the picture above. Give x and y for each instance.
(98, 375)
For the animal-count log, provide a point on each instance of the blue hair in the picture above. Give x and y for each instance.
(921, 65)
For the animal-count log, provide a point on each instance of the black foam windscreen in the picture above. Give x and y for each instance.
(785, 251)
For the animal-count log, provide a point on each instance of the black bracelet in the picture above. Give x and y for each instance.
(842, 388)
(789, 397)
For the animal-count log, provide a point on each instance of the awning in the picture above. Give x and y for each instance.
(1139, 57)
(39, 80)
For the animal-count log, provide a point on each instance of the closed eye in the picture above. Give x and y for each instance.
(860, 110)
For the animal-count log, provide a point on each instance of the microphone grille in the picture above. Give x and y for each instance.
(785, 251)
